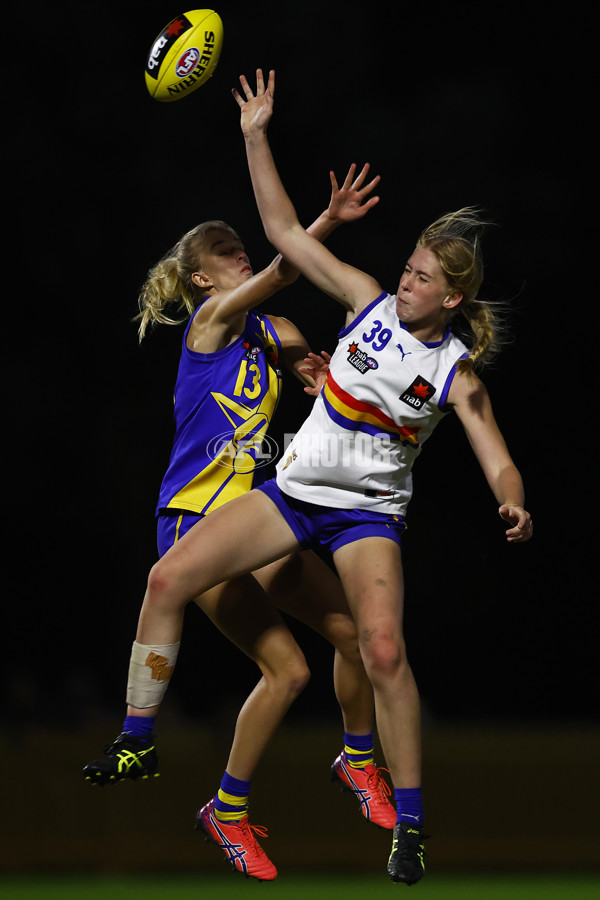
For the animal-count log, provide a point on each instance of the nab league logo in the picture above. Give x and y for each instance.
(418, 393)
(359, 359)
(252, 351)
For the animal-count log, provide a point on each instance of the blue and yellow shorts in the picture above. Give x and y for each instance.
(171, 525)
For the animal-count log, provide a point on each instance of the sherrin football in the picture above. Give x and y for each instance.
(184, 55)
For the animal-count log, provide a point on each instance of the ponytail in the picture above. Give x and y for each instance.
(455, 239)
(169, 282)
(162, 289)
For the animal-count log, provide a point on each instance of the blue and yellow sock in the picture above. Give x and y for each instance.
(409, 805)
(139, 726)
(358, 749)
(231, 802)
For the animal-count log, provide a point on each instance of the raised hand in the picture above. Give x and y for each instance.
(257, 109)
(348, 202)
(317, 367)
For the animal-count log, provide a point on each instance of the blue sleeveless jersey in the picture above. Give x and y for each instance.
(224, 403)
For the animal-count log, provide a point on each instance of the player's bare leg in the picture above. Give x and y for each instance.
(218, 548)
(306, 588)
(241, 610)
(192, 563)
(303, 586)
(371, 572)
(246, 616)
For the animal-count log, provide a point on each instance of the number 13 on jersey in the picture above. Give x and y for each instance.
(251, 374)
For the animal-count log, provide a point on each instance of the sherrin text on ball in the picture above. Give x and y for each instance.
(184, 55)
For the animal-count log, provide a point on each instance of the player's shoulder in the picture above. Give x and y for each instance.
(466, 388)
(284, 328)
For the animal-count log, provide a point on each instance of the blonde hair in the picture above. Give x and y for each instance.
(169, 282)
(455, 239)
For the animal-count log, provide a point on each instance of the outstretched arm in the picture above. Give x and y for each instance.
(471, 402)
(352, 288)
(348, 203)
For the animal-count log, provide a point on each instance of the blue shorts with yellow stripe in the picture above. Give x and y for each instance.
(171, 525)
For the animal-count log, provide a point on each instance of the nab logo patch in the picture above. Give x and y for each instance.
(419, 392)
(164, 42)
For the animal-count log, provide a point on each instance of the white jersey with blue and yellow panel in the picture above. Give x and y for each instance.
(385, 392)
(224, 403)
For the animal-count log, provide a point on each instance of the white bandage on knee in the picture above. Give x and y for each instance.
(150, 669)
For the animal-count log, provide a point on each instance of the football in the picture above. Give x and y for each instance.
(184, 55)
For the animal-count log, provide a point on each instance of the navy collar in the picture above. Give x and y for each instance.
(430, 344)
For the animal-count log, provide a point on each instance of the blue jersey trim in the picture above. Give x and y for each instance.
(230, 348)
(210, 357)
(270, 328)
(442, 402)
(362, 314)
(431, 345)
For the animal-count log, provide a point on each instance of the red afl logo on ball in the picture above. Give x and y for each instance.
(187, 62)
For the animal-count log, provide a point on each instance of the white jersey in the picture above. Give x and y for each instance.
(385, 392)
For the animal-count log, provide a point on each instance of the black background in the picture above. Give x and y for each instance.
(488, 104)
